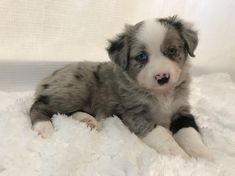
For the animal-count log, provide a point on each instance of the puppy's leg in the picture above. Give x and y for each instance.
(162, 141)
(86, 118)
(65, 91)
(159, 138)
(43, 128)
(186, 133)
(42, 111)
(40, 116)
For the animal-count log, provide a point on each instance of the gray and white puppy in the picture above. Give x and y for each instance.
(146, 85)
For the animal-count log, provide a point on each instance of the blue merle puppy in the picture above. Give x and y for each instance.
(146, 85)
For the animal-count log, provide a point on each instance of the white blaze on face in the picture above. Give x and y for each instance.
(152, 35)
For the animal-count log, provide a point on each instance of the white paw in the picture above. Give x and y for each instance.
(163, 142)
(190, 140)
(203, 152)
(43, 128)
(86, 118)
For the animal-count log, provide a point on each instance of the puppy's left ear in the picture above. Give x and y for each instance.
(191, 38)
(186, 31)
(118, 49)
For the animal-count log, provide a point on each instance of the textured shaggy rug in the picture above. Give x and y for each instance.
(75, 150)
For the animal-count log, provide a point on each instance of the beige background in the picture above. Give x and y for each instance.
(72, 30)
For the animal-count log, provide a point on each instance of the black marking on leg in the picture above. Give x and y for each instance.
(183, 121)
(43, 99)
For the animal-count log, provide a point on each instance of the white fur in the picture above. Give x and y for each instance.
(162, 141)
(43, 128)
(152, 35)
(190, 140)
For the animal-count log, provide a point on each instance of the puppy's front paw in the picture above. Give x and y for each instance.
(43, 128)
(203, 152)
(162, 141)
(86, 118)
(190, 140)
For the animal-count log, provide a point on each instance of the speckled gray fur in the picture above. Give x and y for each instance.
(110, 88)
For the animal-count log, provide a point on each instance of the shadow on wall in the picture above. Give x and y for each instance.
(23, 76)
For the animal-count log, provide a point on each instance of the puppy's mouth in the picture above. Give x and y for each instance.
(159, 88)
(163, 87)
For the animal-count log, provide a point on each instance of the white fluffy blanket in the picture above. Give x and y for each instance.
(74, 150)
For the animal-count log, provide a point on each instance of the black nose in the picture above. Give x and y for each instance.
(162, 78)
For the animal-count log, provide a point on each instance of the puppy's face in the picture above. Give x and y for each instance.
(154, 52)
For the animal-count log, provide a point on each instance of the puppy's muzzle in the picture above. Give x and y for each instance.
(162, 78)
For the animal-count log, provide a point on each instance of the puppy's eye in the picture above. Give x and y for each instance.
(172, 51)
(142, 57)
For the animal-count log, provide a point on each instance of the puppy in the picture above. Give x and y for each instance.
(146, 85)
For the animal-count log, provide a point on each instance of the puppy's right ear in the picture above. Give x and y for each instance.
(118, 49)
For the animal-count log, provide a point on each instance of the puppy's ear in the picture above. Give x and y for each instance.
(191, 38)
(118, 49)
(186, 31)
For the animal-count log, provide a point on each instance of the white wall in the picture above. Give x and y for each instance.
(72, 30)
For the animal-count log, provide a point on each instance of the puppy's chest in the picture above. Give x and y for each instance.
(163, 108)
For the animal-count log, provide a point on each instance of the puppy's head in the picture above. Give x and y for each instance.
(154, 52)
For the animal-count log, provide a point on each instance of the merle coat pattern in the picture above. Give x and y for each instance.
(123, 87)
